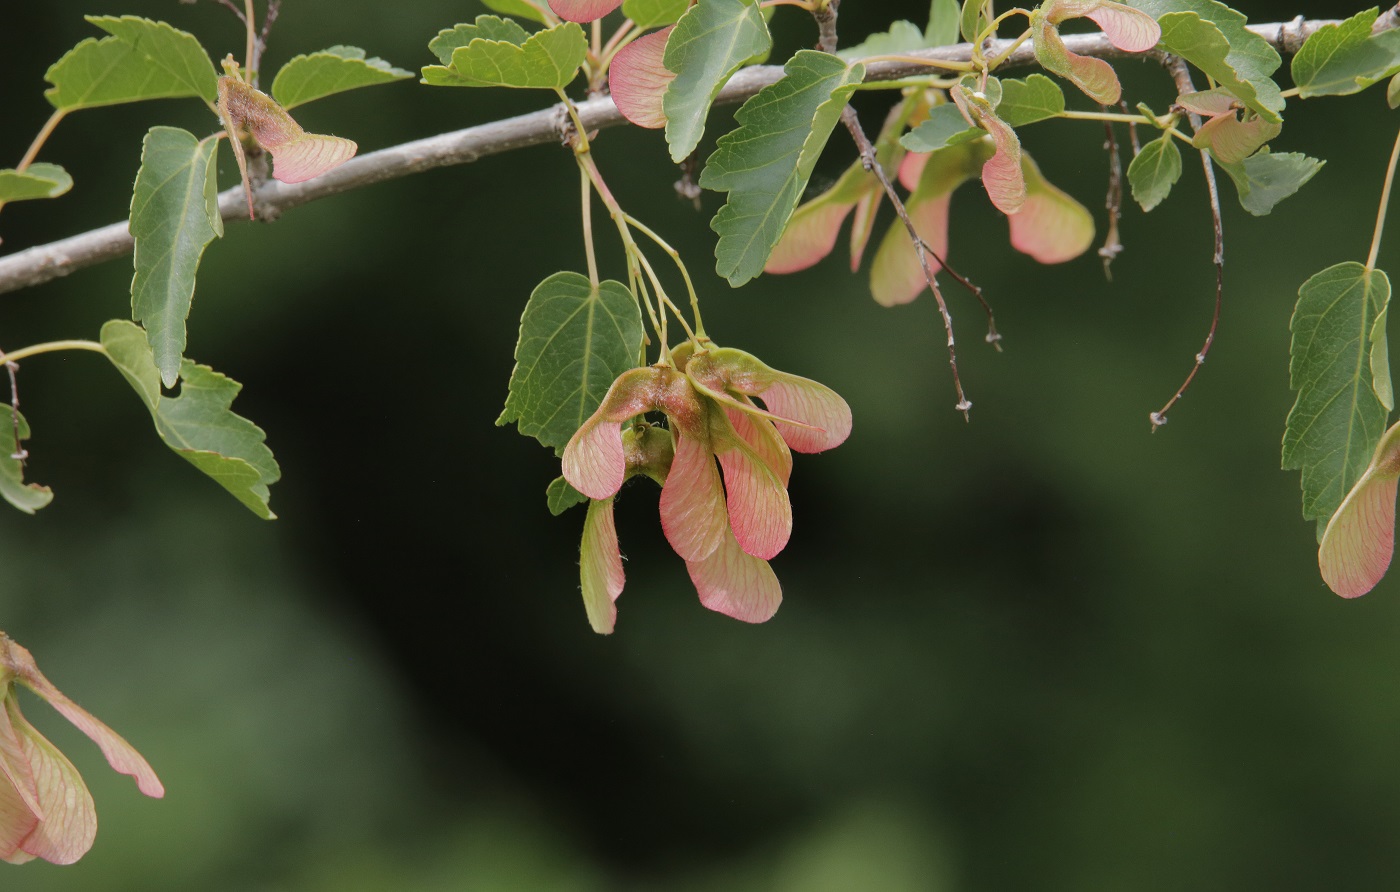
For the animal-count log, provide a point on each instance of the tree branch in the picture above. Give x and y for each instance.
(42, 263)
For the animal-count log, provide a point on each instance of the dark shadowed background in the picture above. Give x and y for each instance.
(1046, 650)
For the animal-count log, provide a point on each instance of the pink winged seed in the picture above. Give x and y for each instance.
(121, 755)
(820, 419)
(1129, 29)
(1211, 103)
(600, 566)
(736, 584)
(594, 461)
(297, 156)
(811, 403)
(1230, 139)
(863, 223)
(760, 513)
(1052, 227)
(911, 168)
(692, 505)
(1001, 174)
(20, 811)
(309, 155)
(896, 276)
(810, 235)
(638, 79)
(583, 10)
(70, 818)
(1359, 540)
(764, 439)
(1094, 77)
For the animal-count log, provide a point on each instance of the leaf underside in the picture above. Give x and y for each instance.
(714, 39)
(1266, 178)
(174, 216)
(1214, 38)
(765, 164)
(199, 424)
(1154, 171)
(1338, 417)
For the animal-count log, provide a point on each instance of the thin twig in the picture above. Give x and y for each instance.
(260, 45)
(232, 7)
(1132, 128)
(826, 25)
(825, 14)
(50, 261)
(1182, 75)
(1112, 244)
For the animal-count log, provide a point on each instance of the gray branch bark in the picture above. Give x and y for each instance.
(42, 263)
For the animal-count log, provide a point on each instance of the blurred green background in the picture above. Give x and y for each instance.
(1046, 650)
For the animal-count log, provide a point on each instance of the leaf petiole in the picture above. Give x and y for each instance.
(1116, 116)
(54, 347)
(44, 133)
(996, 61)
(680, 265)
(918, 60)
(251, 27)
(628, 243)
(587, 203)
(924, 82)
(1385, 204)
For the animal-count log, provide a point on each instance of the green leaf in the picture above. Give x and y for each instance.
(764, 165)
(27, 497)
(1266, 178)
(333, 70)
(107, 72)
(174, 216)
(525, 10)
(1037, 98)
(35, 181)
(654, 13)
(487, 27)
(141, 60)
(1392, 92)
(711, 41)
(575, 339)
(198, 424)
(560, 496)
(1338, 418)
(975, 19)
(1154, 171)
(1346, 58)
(944, 126)
(546, 60)
(1213, 37)
(903, 37)
(942, 27)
